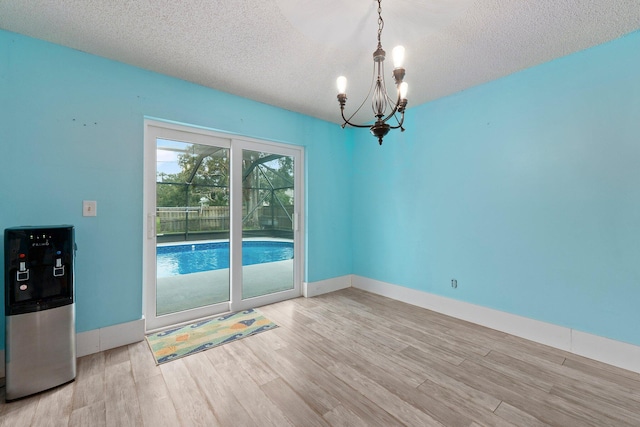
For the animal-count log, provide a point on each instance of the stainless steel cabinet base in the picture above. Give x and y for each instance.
(40, 350)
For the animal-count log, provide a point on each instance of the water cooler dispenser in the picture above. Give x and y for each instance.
(40, 340)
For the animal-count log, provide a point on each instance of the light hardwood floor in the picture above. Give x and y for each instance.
(348, 358)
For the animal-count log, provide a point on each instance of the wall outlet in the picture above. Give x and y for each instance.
(89, 208)
(454, 283)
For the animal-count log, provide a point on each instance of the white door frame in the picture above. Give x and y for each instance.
(154, 129)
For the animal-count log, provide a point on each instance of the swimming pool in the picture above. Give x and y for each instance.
(193, 258)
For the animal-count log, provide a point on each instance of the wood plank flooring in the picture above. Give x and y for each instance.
(349, 358)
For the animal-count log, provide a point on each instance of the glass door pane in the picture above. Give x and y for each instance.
(192, 226)
(267, 223)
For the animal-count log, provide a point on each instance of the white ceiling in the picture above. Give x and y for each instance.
(288, 53)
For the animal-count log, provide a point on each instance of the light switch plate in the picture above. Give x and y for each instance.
(89, 208)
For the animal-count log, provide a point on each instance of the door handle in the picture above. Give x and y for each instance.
(151, 226)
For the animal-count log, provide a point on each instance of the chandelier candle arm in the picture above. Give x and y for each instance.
(381, 102)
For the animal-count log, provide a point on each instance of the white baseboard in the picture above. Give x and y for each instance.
(606, 350)
(325, 286)
(114, 336)
(616, 353)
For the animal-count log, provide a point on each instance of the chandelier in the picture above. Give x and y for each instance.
(384, 106)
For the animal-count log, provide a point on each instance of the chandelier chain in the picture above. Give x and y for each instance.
(380, 21)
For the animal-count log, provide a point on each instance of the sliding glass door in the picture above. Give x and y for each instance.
(221, 224)
(269, 197)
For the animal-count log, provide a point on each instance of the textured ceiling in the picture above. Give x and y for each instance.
(288, 53)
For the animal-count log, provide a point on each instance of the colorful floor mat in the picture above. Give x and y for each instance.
(175, 343)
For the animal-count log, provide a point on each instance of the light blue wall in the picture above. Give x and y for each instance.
(71, 129)
(526, 190)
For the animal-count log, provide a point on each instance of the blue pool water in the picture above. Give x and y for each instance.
(193, 258)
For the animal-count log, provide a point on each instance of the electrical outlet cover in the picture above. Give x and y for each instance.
(89, 208)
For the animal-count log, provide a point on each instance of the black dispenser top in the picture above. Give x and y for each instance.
(39, 268)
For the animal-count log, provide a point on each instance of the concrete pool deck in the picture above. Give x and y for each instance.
(187, 291)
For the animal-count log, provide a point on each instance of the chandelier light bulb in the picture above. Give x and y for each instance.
(342, 85)
(404, 87)
(398, 56)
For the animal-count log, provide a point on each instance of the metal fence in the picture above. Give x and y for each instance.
(179, 220)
